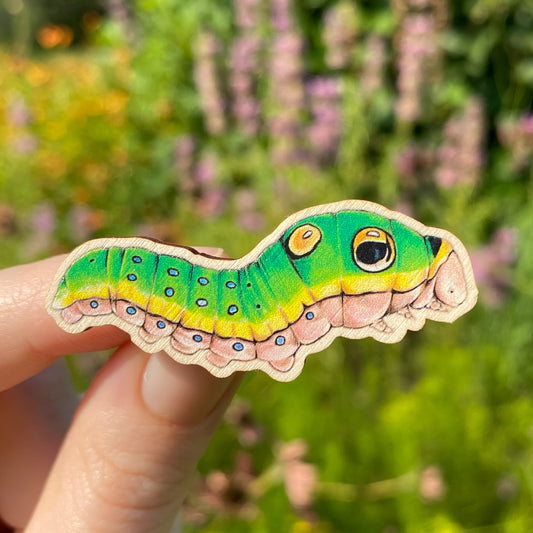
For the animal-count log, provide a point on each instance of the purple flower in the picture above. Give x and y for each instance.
(251, 221)
(18, 114)
(205, 172)
(243, 73)
(43, 224)
(25, 144)
(281, 16)
(404, 206)
(280, 126)
(43, 219)
(325, 129)
(81, 222)
(324, 88)
(243, 53)
(184, 162)
(406, 162)
(245, 110)
(246, 13)
(184, 148)
(212, 202)
(491, 265)
(340, 33)
(374, 64)
(290, 43)
(249, 217)
(246, 200)
(517, 135)
(287, 95)
(461, 155)
(162, 230)
(211, 196)
(417, 55)
(207, 83)
(525, 126)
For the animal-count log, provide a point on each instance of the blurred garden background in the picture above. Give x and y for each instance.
(206, 123)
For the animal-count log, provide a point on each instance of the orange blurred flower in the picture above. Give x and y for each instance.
(53, 165)
(115, 101)
(37, 75)
(94, 172)
(52, 36)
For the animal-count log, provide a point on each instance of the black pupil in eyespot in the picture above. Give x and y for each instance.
(370, 252)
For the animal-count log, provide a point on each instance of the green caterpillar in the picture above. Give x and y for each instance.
(351, 268)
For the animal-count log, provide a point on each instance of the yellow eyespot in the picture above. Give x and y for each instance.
(373, 250)
(304, 240)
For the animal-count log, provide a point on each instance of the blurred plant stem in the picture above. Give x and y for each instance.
(387, 186)
(345, 492)
(21, 17)
(378, 490)
(351, 160)
(271, 477)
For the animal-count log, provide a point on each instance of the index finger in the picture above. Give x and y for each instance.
(29, 337)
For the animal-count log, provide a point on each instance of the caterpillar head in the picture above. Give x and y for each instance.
(450, 281)
(373, 253)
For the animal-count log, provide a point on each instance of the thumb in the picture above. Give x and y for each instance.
(126, 461)
(133, 446)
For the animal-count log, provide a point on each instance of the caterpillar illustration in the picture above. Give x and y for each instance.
(351, 268)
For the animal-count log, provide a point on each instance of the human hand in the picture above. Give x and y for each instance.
(134, 442)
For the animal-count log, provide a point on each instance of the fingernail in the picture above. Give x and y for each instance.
(209, 250)
(183, 394)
